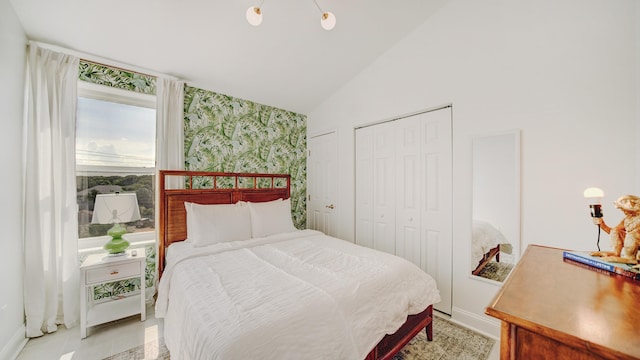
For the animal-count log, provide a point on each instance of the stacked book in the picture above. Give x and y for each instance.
(583, 259)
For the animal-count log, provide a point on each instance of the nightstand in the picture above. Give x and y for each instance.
(100, 269)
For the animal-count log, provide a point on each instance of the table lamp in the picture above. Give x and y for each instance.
(116, 209)
(594, 195)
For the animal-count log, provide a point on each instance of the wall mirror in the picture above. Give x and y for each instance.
(495, 241)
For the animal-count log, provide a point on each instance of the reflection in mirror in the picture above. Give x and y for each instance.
(496, 205)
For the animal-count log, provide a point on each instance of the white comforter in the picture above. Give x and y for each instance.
(300, 295)
(485, 238)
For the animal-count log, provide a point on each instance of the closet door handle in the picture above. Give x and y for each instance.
(330, 206)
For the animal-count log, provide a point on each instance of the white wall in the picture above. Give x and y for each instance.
(12, 68)
(562, 71)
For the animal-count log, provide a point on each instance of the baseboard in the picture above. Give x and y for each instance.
(17, 342)
(482, 324)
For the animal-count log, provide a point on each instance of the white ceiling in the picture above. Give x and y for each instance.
(289, 61)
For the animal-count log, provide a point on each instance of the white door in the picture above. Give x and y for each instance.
(384, 207)
(436, 209)
(409, 189)
(404, 193)
(322, 183)
(364, 187)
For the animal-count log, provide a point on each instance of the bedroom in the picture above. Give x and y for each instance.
(565, 73)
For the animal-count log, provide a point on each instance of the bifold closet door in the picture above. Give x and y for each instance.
(436, 167)
(375, 187)
(404, 193)
(364, 186)
(409, 189)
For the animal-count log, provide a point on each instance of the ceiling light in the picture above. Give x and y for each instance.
(328, 21)
(254, 16)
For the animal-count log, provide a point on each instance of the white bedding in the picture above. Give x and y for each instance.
(485, 238)
(299, 295)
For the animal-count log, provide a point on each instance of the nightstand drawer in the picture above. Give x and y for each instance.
(112, 273)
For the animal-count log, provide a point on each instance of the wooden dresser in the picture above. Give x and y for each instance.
(551, 309)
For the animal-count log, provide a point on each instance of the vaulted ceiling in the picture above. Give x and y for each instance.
(289, 61)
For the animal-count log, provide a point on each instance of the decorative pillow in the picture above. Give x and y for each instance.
(212, 224)
(271, 217)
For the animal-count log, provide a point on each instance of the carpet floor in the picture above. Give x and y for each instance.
(450, 341)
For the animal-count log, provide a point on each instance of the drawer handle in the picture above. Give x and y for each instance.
(114, 272)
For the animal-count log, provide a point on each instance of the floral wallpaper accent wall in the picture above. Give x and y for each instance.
(223, 133)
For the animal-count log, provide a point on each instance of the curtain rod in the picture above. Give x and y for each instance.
(103, 61)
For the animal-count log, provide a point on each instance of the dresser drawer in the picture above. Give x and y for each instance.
(112, 273)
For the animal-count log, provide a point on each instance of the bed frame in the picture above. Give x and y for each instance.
(487, 258)
(251, 187)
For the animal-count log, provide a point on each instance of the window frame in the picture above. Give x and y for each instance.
(111, 94)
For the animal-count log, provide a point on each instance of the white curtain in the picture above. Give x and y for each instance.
(169, 133)
(169, 124)
(52, 275)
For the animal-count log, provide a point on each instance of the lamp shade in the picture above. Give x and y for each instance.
(115, 208)
(593, 193)
(254, 15)
(328, 20)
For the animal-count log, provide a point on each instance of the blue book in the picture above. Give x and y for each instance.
(597, 263)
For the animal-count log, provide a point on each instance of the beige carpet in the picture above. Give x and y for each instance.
(450, 341)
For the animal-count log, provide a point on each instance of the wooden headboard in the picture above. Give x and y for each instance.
(243, 187)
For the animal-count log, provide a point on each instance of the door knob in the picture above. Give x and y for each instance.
(330, 206)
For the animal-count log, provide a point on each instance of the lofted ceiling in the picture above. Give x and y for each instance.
(288, 62)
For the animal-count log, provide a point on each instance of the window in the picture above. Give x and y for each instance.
(115, 152)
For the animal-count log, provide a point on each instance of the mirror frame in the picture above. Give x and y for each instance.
(515, 198)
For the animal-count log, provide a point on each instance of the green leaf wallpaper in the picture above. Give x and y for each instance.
(117, 78)
(222, 133)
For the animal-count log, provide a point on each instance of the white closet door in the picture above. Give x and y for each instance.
(404, 193)
(384, 207)
(364, 187)
(408, 189)
(436, 208)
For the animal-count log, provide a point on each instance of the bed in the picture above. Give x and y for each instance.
(289, 294)
(486, 244)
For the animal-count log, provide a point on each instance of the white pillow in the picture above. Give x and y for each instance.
(271, 217)
(212, 224)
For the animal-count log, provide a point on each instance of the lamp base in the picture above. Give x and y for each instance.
(117, 245)
(117, 254)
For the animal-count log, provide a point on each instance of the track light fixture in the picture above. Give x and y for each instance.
(254, 16)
